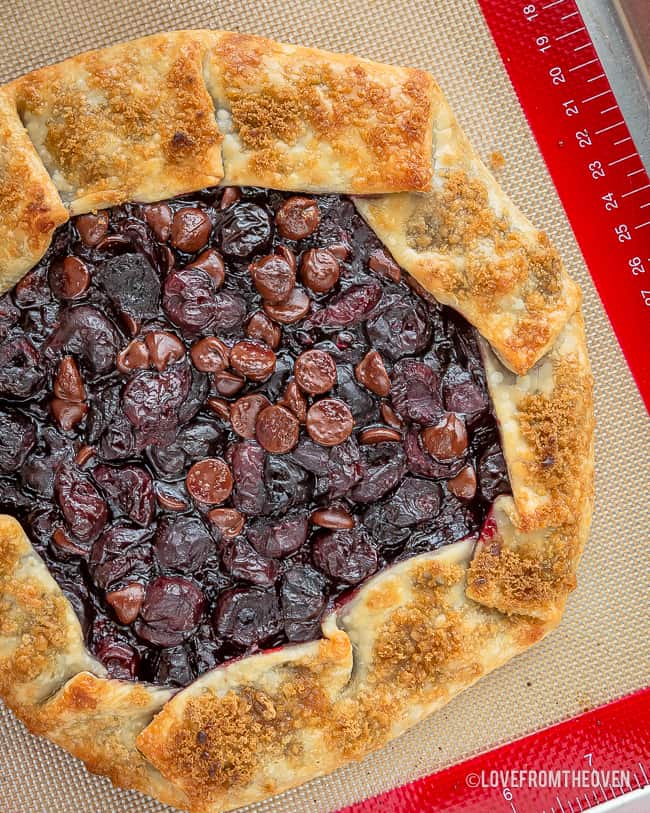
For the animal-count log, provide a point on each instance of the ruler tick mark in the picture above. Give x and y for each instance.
(609, 109)
(554, 3)
(580, 47)
(579, 803)
(560, 805)
(643, 225)
(583, 65)
(636, 778)
(645, 775)
(597, 96)
(636, 172)
(570, 14)
(568, 801)
(611, 127)
(622, 140)
(634, 191)
(642, 206)
(594, 78)
(624, 158)
(570, 33)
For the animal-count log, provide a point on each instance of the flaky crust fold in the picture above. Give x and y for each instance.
(213, 107)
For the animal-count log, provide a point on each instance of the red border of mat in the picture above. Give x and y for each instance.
(613, 737)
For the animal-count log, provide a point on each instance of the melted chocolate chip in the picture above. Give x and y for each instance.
(297, 218)
(329, 422)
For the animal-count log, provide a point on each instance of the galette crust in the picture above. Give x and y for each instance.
(301, 119)
(130, 122)
(30, 208)
(212, 107)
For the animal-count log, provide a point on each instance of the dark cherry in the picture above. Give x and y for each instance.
(182, 544)
(249, 494)
(83, 507)
(350, 308)
(129, 490)
(88, 335)
(17, 439)
(189, 299)
(21, 372)
(242, 562)
(383, 264)
(399, 328)
(170, 612)
(120, 659)
(414, 502)
(279, 539)
(415, 392)
(244, 229)
(345, 556)
(121, 555)
(304, 598)
(247, 617)
(492, 473)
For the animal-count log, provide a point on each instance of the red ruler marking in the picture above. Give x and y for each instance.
(590, 154)
(597, 756)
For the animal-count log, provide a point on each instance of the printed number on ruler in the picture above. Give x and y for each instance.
(574, 66)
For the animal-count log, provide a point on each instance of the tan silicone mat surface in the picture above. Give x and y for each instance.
(601, 649)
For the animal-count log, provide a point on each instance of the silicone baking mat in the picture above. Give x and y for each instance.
(600, 651)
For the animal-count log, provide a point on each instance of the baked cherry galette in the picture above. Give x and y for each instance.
(295, 413)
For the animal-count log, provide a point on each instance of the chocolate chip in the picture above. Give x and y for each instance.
(229, 195)
(67, 414)
(332, 517)
(64, 543)
(69, 279)
(253, 359)
(463, 485)
(92, 228)
(447, 440)
(379, 434)
(209, 481)
(168, 497)
(383, 264)
(159, 220)
(244, 412)
(371, 372)
(341, 251)
(390, 416)
(228, 384)
(127, 602)
(84, 454)
(297, 218)
(164, 349)
(273, 278)
(68, 384)
(315, 371)
(329, 422)
(319, 270)
(212, 263)
(210, 355)
(190, 229)
(277, 429)
(294, 401)
(295, 308)
(259, 326)
(288, 255)
(135, 356)
(228, 520)
(219, 407)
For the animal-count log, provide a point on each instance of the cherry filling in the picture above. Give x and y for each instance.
(220, 413)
